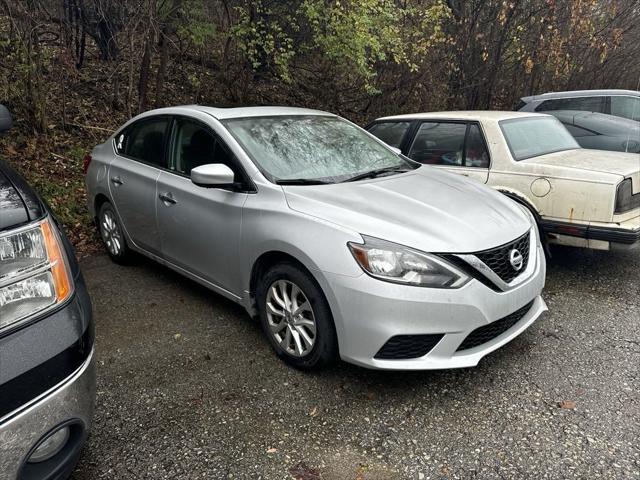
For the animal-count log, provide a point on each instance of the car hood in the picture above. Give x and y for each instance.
(427, 209)
(617, 163)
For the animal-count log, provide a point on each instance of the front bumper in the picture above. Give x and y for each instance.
(369, 312)
(70, 402)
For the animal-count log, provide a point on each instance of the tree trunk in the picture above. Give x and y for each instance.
(143, 80)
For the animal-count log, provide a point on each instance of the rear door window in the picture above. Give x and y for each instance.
(144, 141)
(391, 133)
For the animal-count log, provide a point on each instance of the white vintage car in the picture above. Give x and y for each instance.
(580, 197)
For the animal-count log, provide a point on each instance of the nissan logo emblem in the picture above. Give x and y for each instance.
(516, 259)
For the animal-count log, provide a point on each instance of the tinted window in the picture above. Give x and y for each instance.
(476, 154)
(390, 133)
(439, 143)
(587, 104)
(195, 145)
(534, 136)
(627, 107)
(144, 141)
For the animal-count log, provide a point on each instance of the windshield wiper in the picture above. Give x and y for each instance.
(301, 181)
(378, 172)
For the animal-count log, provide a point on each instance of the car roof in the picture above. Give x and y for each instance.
(580, 93)
(494, 115)
(240, 112)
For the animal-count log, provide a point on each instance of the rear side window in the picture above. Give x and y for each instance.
(390, 133)
(586, 104)
(144, 141)
(626, 107)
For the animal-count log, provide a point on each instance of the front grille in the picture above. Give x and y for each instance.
(497, 259)
(402, 347)
(487, 333)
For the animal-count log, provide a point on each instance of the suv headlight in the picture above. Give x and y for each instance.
(33, 272)
(399, 264)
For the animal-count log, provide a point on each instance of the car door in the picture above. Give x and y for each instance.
(455, 146)
(140, 156)
(199, 226)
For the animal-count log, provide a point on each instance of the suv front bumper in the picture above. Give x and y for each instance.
(70, 402)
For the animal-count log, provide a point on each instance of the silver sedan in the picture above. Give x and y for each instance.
(341, 246)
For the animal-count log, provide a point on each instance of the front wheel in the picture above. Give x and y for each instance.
(112, 234)
(296, 318)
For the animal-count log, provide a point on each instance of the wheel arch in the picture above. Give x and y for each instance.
(521, 199)
(267, 260)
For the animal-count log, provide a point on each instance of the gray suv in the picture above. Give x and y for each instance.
(619, 103)
(47, 379)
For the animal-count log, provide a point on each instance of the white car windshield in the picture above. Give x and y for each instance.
(313, 149)
(533, 136)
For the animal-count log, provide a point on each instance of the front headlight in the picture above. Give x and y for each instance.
(399, 264)
(33, 272)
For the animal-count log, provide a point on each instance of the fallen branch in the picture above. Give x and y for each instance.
(89, 127)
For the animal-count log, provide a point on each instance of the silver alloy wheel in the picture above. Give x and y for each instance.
(111, 234)
(290, 318)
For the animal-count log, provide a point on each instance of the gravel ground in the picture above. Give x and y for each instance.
(188, 388)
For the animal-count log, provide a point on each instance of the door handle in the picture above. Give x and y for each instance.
(167, 198)
(117, 181)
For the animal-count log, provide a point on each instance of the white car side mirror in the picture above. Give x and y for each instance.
(396, 150)
(212, 175)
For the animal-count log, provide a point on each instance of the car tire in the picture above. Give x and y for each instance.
(112, 235)
(286, 321)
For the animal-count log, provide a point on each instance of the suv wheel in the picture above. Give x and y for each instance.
(112, 234)
(296, 318)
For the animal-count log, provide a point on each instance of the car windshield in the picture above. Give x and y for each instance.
(533, 136)
(313, 148)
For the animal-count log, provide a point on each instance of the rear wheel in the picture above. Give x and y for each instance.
(296, 318)
(112, 234)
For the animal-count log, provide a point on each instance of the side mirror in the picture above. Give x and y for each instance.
(6, 122)
(396, 150)
(213, 175)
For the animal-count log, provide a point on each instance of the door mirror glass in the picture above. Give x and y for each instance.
(212, 175)
(6, 122)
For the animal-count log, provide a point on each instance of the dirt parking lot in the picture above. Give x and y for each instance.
(188, 388)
